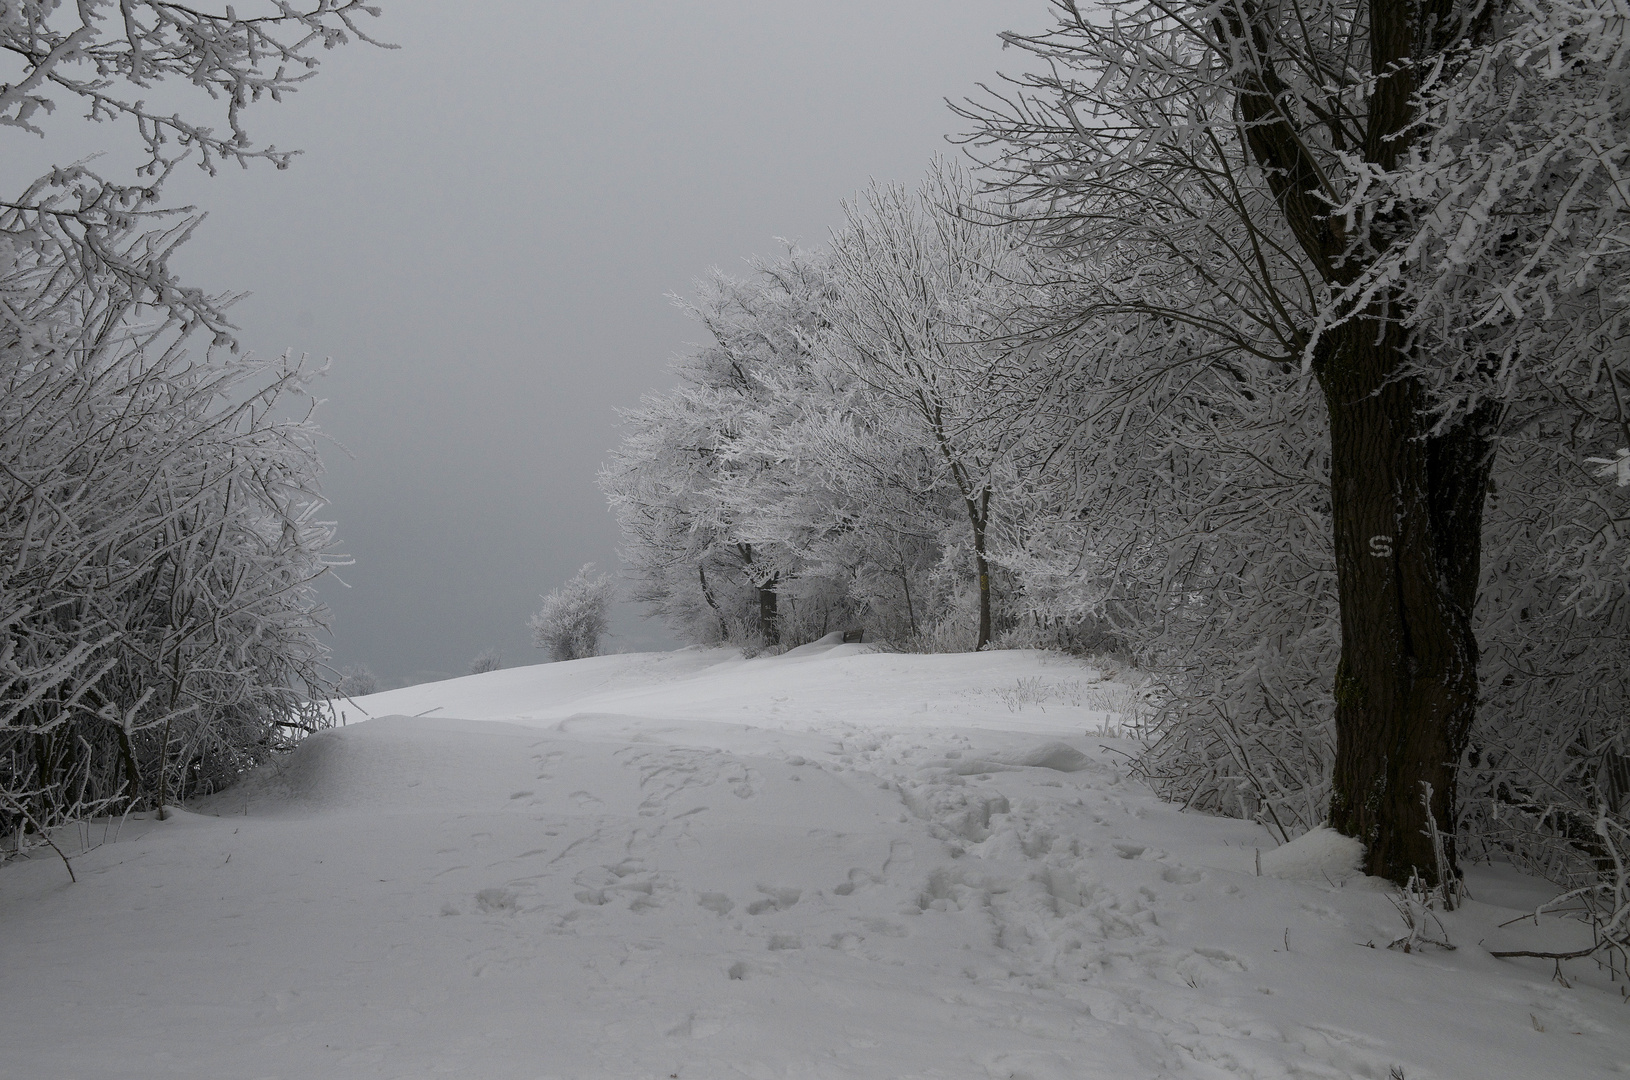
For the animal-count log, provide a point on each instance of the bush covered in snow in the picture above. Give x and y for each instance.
(572, 620)
(159, 530)
(356, 680)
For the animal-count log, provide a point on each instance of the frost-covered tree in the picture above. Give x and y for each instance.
(866, 513)
(925, 283)
(678, 481)
(356, 680)
(840, 437)
(486, 660)
(572, 620)
(1512, 230)
(1414, 212)
(1272, 115)
(158, 531)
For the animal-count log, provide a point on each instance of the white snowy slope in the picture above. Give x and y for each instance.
(827, 864)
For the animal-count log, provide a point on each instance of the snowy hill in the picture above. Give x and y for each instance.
(833, 863)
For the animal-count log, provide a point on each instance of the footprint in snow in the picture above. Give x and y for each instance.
(495, 900)
(774, 900)
(900, 856)
(858, 878)
(697, 1025)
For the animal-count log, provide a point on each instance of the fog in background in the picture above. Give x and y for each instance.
(482, 231)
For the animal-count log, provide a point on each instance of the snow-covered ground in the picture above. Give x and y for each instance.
(832, 863)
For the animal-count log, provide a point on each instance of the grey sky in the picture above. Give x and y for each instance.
(482, 230)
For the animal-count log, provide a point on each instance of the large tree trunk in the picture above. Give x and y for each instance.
(1407, 512)
(1407, 507)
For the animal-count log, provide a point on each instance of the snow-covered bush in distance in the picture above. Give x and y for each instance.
(356, 680)
(572, 619)
(486, 660)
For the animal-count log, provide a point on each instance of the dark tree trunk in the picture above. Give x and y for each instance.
(1407, 507)
(979, 516)
(768, 622)
(707, 594)
(1407, 512)
(905, 585)
(127, 756)
(983, 566)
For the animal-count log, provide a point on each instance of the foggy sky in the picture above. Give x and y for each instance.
(481, 233)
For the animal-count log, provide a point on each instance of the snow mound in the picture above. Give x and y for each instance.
(820, 644)
(1318, 855)
(393, 761)
(831, 644)
(1058, 756)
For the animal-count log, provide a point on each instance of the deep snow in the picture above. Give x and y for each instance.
(832, 863)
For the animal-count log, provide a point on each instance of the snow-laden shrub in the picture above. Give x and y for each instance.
(572, 620)
(486, 660)
(158, 540)
(356, 680)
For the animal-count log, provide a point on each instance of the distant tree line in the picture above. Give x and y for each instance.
(1282, 347)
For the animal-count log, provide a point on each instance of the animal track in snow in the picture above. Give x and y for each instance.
(900, 856)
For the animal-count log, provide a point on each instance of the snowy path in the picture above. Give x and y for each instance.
(821, 865)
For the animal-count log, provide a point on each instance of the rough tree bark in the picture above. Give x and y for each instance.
(1406, 504)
